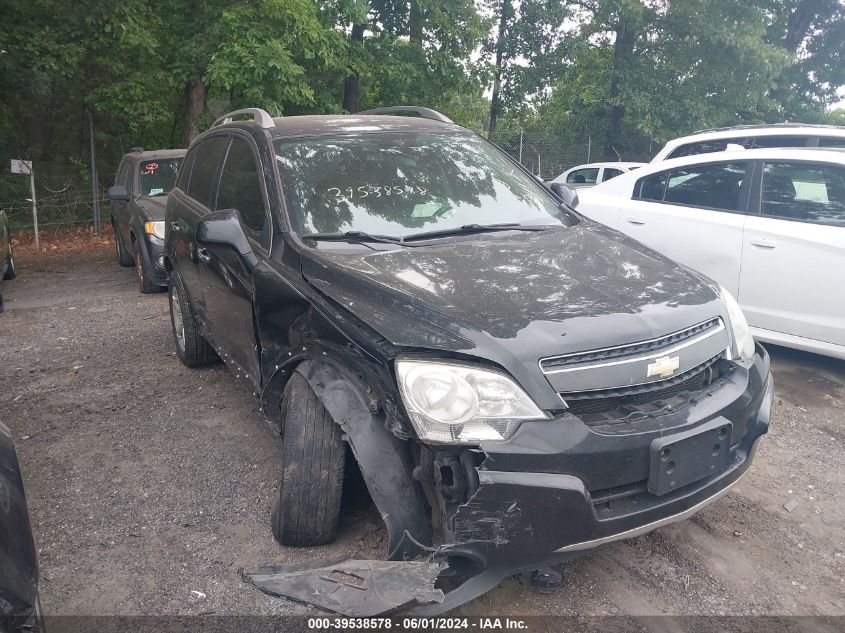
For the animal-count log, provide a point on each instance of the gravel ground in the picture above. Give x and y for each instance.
(150, 484)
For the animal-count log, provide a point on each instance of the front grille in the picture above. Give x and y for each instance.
(625, 351)
(601, 407)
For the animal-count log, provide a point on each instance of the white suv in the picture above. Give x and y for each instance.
(767, 224)
(753, 137)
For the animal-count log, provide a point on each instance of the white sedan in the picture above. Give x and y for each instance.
(767, 224)
(594, 173)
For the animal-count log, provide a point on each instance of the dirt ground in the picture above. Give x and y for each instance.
(150, 484)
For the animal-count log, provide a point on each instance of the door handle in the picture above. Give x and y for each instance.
(176, 225)
(635, 219)
(203, 256)
(763, 242)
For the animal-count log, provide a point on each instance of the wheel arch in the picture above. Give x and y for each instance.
(384, 459)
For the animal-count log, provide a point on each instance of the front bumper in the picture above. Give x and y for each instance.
(548, 495)
(152, 254)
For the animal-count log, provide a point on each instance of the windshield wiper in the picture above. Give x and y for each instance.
(352, 236)
(476, 228)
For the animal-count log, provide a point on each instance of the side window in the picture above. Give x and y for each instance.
(712, 186)
(203, 184)
(126, 176)
(777, 141)
(831, 142)
(184, 174)
(583, 176)
(120, 176)
(609, 173)
(805, 192)
(240, 187)
(703, 147)
(651, 187)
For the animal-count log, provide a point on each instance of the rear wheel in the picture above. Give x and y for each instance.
(191, 348)
(124, 257)
(10, 264)
(144, 284)
(313, 456)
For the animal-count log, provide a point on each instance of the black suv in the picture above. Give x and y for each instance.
(517, 383)
(137, 212)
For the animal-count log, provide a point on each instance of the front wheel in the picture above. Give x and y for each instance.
(313, 455)
(10, 265)
(191, 348)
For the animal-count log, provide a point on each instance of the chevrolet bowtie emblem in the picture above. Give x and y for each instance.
(664, 367)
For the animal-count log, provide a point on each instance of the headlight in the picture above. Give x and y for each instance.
(743, 342)
(458, 404)
(155, 228)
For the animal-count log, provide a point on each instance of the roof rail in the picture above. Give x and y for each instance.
(425, 113)
(258, 115)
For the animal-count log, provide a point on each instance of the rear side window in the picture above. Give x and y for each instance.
(583, 176)
(202, 185)
(777, 141)
(804, 192)
(710, 186)
(240, 187)
(609, 173)
(831, 142)
(704, 147)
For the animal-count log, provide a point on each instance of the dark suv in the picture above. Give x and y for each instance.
(137, 212)
(517, 383)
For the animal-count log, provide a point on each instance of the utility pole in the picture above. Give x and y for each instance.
(95, 200)
(520, 145)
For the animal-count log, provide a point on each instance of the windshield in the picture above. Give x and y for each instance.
(400, 184)
(157, 177)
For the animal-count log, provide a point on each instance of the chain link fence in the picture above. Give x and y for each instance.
(63, 197)
(548, 156)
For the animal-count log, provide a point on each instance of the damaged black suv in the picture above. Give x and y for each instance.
(517, 383)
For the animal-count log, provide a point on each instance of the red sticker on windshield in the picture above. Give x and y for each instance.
(149, 168)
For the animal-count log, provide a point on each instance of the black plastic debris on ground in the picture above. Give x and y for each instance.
(359, 588)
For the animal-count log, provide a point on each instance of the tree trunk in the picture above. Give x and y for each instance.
(496, 97)
(623, 48)
(195, 92)
(415, 31)
(800, 21)
(350, 84)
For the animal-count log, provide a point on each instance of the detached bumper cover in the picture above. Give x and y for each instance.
(519, 520)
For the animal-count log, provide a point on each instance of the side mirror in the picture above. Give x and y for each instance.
(565, 193)
(224, 228)
(118, 193)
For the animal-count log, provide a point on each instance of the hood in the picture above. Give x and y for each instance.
(153, 208)
(515, 298)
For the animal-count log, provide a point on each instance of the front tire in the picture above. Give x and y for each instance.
(10, 265)
(191, 348)
(307, 510)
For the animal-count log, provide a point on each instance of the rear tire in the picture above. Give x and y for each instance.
(124, 257)
(307, 510)
(10, 265)
(191, 348)
(144, 284)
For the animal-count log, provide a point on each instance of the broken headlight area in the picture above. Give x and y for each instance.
(458, 404)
